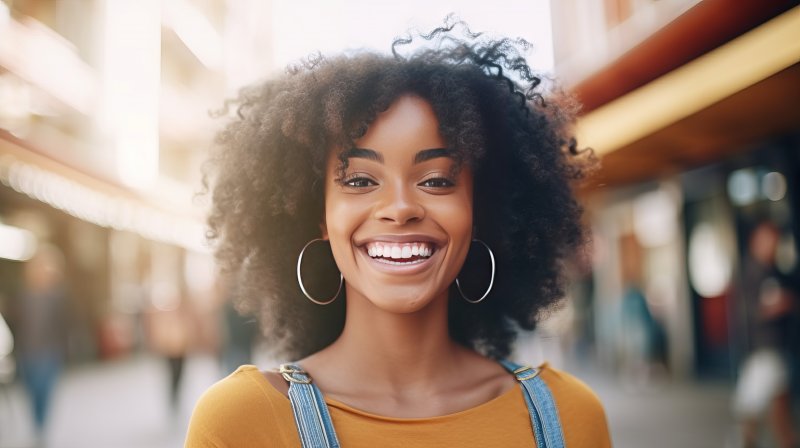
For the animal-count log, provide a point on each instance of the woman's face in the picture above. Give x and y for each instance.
(399, 221)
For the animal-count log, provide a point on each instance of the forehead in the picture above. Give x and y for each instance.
(406, 127)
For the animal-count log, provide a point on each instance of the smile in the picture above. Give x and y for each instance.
(400, 253)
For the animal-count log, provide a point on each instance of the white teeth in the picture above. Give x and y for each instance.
(399, 250)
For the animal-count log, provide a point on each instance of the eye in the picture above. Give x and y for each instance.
(358, 182)
(437, 182)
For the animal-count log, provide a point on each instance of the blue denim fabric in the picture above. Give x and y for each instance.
(310, 411)
(316, 428)
(541, 406)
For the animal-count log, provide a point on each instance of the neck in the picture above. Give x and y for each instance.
(394, 350)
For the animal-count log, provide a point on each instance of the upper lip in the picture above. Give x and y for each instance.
(406, 238)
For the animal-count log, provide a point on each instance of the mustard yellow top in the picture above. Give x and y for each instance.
(245, 410)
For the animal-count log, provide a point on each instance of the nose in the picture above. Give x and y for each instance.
(398, 205)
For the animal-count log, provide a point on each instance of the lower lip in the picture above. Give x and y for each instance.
(409, 268)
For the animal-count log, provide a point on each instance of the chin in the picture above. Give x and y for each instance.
(401, 302)
(401, 305)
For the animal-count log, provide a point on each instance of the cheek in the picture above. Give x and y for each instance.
(456, 217)
(336, 219)
(342, 219)
(338, 235)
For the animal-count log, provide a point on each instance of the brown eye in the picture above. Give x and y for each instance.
(437, 182)
(359, 182)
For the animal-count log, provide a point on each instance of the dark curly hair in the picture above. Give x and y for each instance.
(267, 180)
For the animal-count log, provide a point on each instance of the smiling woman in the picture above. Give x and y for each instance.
(409, 169)
(398, 191)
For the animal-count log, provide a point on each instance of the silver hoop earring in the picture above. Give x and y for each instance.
(300, 278)
(491, 282)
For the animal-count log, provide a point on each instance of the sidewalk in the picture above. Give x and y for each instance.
(691, 415)
(117, 404)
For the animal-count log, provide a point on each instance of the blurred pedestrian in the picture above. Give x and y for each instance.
(764, 387)
(641, 334)
(41, 328)
(168, 329)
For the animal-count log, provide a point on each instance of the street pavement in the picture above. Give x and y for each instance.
(665, 414)
(124, 404)
(116, 404)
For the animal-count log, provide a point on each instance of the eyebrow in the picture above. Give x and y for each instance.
(363, 153)
(421, 156)
(428, 154)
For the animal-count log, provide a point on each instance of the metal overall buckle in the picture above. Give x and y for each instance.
(532, 374)
(288, 371)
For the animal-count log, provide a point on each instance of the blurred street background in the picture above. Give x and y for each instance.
(684, 312)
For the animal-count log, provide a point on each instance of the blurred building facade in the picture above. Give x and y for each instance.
(106, 113)
(691, 105)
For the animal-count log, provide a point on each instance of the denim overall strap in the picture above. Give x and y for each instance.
(310, 411)
(541, 405)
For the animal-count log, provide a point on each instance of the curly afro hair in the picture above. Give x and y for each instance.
(268, 170)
